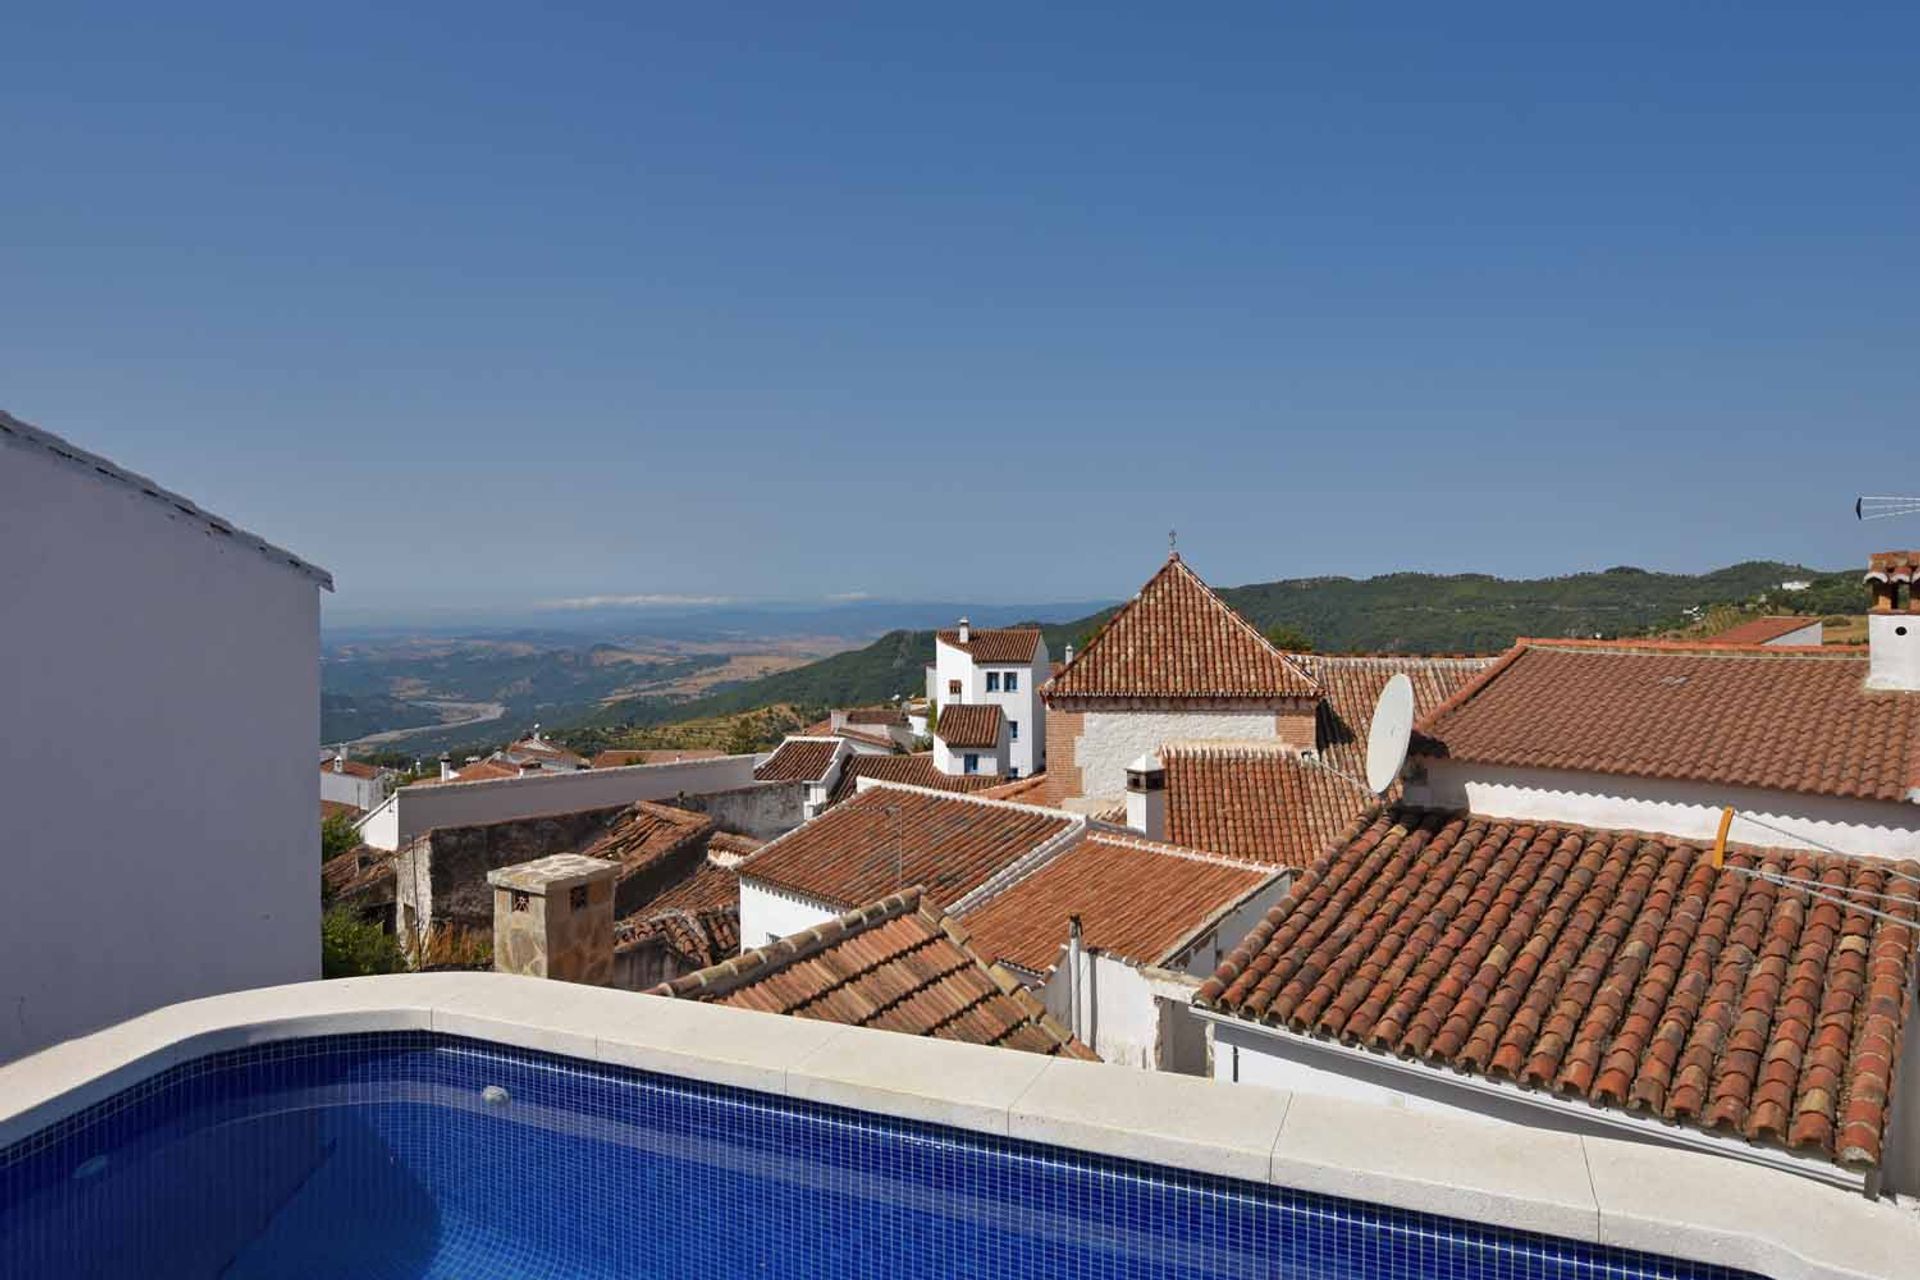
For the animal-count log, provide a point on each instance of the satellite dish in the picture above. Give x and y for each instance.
(1389, 734)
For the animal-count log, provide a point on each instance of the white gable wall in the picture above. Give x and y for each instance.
(1688, 810)
(140, 644)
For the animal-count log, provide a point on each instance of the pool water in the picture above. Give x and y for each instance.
(418, 1155)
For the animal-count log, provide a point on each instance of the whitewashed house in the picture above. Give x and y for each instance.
(1643, 889)
(997, 667)
(974, 740)
(141, 628)
(352, 782)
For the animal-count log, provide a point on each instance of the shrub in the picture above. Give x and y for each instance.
(337, 835)
(351, 947)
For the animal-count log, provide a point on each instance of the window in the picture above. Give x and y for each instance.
(972, 763)
(953, 688)
(993, 682)
(1013, 771)
(1013, 730)
(1013, 682)
(579, 897)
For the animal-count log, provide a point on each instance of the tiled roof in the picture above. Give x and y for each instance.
(728, 844)
(996, 645)
(351, 768)
(872, 738)
(359, 872)
(890, 716)
(648, 832)
(888, 837)
(799, 759)
(339, 809)
(818, 729)
(916, 770)
(898, 964)
(1179, 640)
(541, 751)
(1352, 685)
(27, 436)
(478, 771)
(1613, 967)
(1781, 720)
(618, 759)
(1044, 789)
(1894, 566)
(1256, 800)
(1762, 630)
(969, 724)
(1139, 900)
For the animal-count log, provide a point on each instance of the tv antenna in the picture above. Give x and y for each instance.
(1390, 733)
(1884, 508)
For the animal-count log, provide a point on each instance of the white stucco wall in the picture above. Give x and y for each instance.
(1111, 739)
(412, 810)
(1813, 633)
(140, 646)
(1689, 810)
(954, 760)
(1130, 1016)
(767, 913)
(1234, 926)
(344, 788)
(1024, 705)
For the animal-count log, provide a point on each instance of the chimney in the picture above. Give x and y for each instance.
(1893, 625)
(1147, 797)
(1067, 656)
(1076, 951)
(966, 631)
(553, 918)
(340, 760)
(446, 767)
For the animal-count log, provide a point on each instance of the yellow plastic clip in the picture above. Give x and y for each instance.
(1720, 840)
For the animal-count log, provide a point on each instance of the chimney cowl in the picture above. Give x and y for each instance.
(1893, 634)
(966, 631)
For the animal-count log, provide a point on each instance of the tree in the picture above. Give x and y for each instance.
(744, 738)
(351, 946)
(337, 835)
(1289, 639)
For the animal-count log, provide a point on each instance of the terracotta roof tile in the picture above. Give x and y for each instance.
(1137, 899)
(970, 724)
(1762, 630)
(1615, 967)
(1894, 566)
(339, 809)
(647, 832)
(873, 738)
(361, 872)
(1256, 800)
(351, 768)
(1178, 640)
(892, 717)
(996, 644)
(1352, 685)
(728, 844)
(799, 760)
(898, 964)
(888, 836)
(1777, 719)
(915, 770)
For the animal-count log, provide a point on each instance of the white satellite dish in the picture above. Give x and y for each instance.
(1388, 736)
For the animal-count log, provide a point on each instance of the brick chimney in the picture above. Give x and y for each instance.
(553, 918)
(1893, 624)
(1147, 797)
(966, 631)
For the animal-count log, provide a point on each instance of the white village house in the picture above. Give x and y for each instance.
(1002, 668)
(149, 634)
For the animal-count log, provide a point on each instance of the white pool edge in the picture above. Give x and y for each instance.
(1679, 1203)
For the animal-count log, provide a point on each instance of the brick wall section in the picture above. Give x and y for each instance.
(1063, 746)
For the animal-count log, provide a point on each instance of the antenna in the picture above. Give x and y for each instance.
(1884, 508)
(1390, 733)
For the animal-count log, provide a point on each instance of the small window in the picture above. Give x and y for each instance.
(1013, 771)
(520, 901)
(953, 688)
(972, 764)
(1013, 682)
(993, 682)
(579, 897)
(1013, 730)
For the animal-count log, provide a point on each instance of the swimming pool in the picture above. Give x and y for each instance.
(416, 1154)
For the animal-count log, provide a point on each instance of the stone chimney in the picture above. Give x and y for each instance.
(1147, 797)
(966, 631)
(1893, 624)
(553, 918)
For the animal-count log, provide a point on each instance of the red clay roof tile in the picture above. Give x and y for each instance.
(990, 645)
(970, 724)
(1778, 719)
(799, 760)
(1762, 630)
(916, 770)
(898, 964)
(1178, 640)
(1610, 966)
(1137, 899)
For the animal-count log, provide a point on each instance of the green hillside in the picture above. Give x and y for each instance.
(1401, 612)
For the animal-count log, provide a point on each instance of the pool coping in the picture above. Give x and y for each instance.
(1683, 1204)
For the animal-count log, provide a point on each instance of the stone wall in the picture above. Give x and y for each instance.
(456, 861)
(763, 810)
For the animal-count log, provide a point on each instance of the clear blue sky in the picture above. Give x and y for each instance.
(473, 305)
